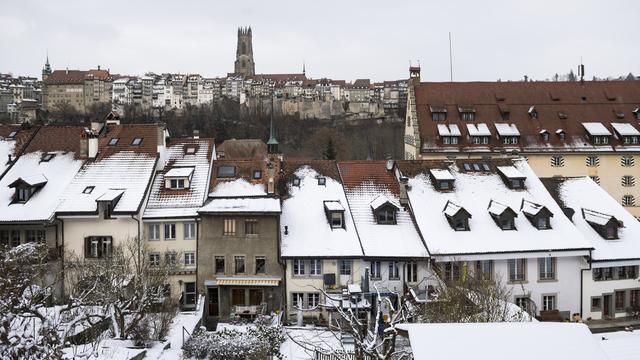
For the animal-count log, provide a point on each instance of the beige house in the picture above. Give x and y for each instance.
(170, 221)
(103, 205)
(563, 128)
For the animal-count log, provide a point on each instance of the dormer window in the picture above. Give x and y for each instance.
(626, 132)
(503, 215)
(438, 113)
(449, 134)
(443, 179)
(113, 141)
(136, 141)
(512, 177)
(533, 113)
(597, 133)
(108, 201)
(47, 157)
(178, 178)
(335, 213)
(604, 224)
(561, 134)
(505, 112)
(457, 216)
(467, 113)
(322, 181)
(545, 135)
(257, 174)
(226, 171)
(508, 133)
(26, 187)
(538, 215)
(384, 210)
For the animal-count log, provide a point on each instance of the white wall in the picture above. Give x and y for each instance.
(598, 288)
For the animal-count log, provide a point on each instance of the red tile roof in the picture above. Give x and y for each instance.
(126, 133)
(354, 173)
(592, 101)
(61, 77)
(22, 138)
(242, 149)
(57, 138)
(243, 170)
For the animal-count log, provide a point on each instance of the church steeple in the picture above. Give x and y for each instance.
(272, 143)
(46, 70)
(244, 64)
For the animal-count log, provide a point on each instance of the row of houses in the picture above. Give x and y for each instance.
(20, 97)
(255, 232)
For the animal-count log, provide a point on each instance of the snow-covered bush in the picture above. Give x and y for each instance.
(253, 344)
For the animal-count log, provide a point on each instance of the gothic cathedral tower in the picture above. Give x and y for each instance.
(244, 64)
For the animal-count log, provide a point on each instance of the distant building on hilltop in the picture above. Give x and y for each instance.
(244, 64)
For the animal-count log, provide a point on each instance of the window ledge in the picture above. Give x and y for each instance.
(547, 280)
(517, 282)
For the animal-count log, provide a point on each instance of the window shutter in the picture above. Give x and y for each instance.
(87, 247)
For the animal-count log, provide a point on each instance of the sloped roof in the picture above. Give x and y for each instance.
(243, 149)
(592, 101)
(572, 193)
(242, 182)
(474, 191)
(15, 145)
(177, 203)
(126, 133)
(308, 232)
(58, 77)
(363, 182)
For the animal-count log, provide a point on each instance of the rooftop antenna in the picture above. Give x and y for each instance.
(450, 58)
(581, 71)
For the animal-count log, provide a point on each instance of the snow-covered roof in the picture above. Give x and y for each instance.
(237, 187)
(6, 149)
(596, 217)
(474, 191)
(583, 193)
(110, 195)
(478, 129)
(595, 129)
(185, 202)
(179, 172)
(510, 172)
(531, 208)
(381, 200)
(333, 205)
(497, 208)
(58, 173)
(451, 209)
(503, 341)
(308, 230)
(33, 180)
(505, 129)
(367, 181)
(625, 129)
(441, 174)
(620, 345)
(242, 205)
(125, 171)
(448, 130)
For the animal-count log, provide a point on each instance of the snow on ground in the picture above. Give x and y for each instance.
(620, 345)
(300, 341)
(183, 321)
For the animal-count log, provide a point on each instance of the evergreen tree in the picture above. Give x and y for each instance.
(571, 76)
(329, 152)
(630, 77)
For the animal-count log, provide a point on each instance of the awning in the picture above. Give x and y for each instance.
(248, 281)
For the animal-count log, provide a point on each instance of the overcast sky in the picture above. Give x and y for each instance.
(338, 39)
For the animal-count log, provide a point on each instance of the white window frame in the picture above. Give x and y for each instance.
(153, 232)
(189, 230)
(189, 258)
(375, 269)
(169, 231)
(297, 267)
(315, 267)
(549, 302)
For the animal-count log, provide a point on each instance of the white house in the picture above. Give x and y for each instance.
(610, 283)
(496, 217)
(319, 242)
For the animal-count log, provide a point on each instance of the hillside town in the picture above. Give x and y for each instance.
(511, 219)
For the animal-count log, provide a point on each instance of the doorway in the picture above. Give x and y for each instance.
(606, 306)
(214, 302)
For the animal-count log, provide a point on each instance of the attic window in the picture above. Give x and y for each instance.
(467, 113)
(26, 187)
(226, 171)
(335, 213)
(457, 216)
(384, 211)
(322, 181)
(605, 225)
(88, 189)
(296, 182)
(538, 215)
(13, 134)
(636, 111)
(619, 114)
(113, 141)
(545, 135)
(533, 112)
(512, 177)
(562, 115)
(257, 174)
(47, 157)
(176, 184)
(438, 113)
(136, 141)
(503, 215)
(561, 134)
(336, 220)
(442, 178)
(190, 150)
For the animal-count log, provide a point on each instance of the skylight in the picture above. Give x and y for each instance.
(136, 141)
(47, 157)
(13, 134)
(322, 181)
(113, 141)
(88, 189)
(190, 150)
(226, 171)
